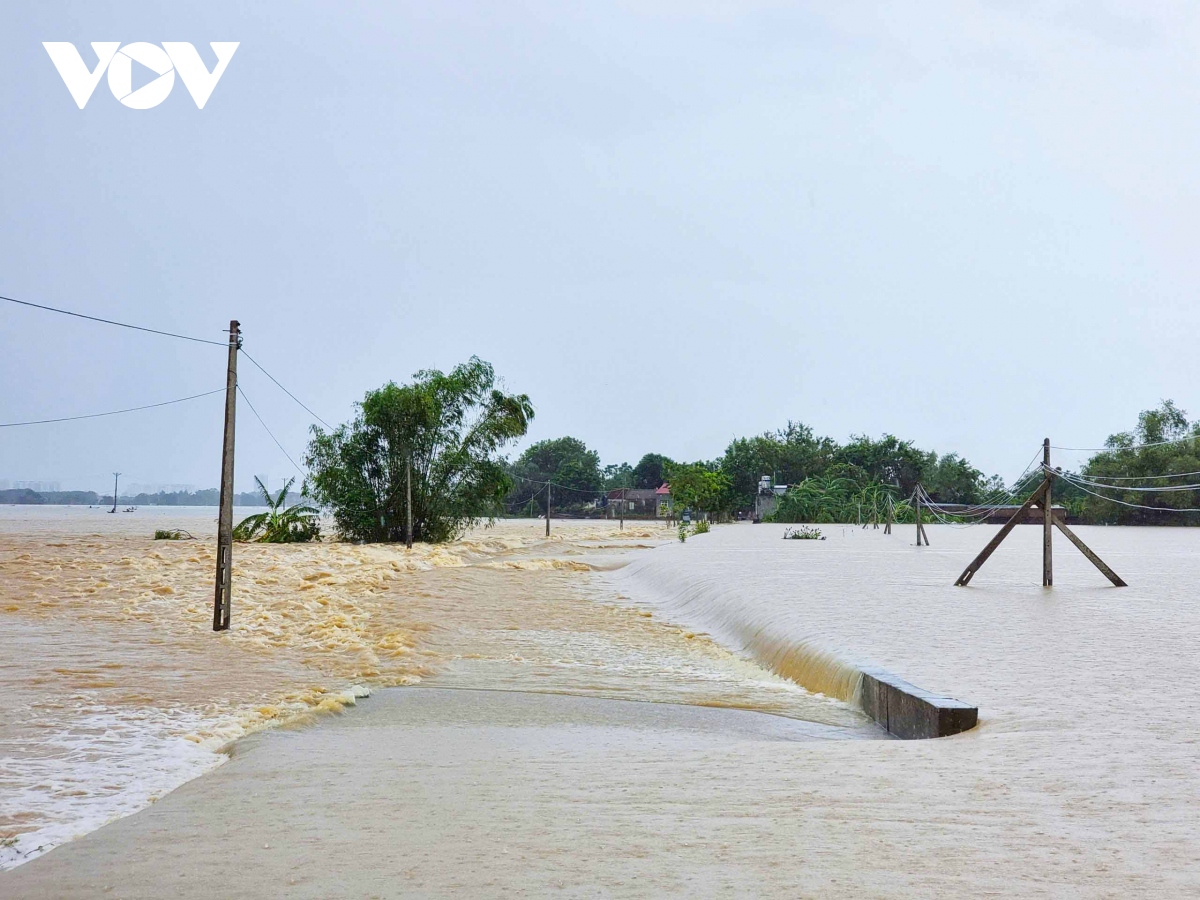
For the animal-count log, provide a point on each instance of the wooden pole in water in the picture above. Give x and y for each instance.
(222, 598)
(887, 528)
(408, 503)
(622, 509)
(1047, 520)
(917, 506)
(548, 509)
(116, 481)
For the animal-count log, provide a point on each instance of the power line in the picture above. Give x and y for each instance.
(268, 431)
(1190, 437)
(67, 312)
(1138, 477)
(1171, 509)
(1160, 489)
(115, 412)
(285, 390)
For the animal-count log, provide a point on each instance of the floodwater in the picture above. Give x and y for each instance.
(114, 690)
(1083, 776)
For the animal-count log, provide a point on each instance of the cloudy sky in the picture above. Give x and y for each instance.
(968, 224)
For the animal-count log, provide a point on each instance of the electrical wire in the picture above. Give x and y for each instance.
(285, 390)
(67, 312)
(1190, 437)
(115, 412)
(1140, 477)
(1169, 509)
(1161, 489)
(269, 432)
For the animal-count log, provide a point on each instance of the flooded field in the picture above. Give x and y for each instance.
(114, 690)
(1080, 780)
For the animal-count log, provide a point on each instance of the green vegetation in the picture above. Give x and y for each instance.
(297, 524)
(701, 527)
(803, 533)
(846, 494)
(651, 471)
(173, 534)
(1130, 469)
(574, 469)
(449, 427)
(700, 487)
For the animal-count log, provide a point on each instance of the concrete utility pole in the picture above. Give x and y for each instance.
(547, 509)
(408, 502)
(116, 481)
(1047, 519)
(622, 509)
(221, 601)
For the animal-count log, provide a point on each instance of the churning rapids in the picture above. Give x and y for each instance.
(1081, 777)
(114, 690)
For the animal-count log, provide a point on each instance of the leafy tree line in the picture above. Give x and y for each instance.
(846, 476)
(1163, 443)
(447, 433)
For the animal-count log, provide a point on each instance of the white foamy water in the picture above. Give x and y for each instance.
(114, 690)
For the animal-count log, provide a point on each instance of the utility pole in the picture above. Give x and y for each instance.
(408, 502)
(1042, 499)
(622, 509)
(1047, 519)
(547, 509)
(221, 601)
(921, 535)
(116, 481)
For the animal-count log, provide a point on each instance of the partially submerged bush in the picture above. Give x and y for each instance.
(803, 533)
(173, 534)
(702, 527)
(297, 524)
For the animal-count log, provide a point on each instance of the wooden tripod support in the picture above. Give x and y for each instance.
(921, 535)
(1042, 499)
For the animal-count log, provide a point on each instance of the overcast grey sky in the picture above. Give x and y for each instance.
(969, 224)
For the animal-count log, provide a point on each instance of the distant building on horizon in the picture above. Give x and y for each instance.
(39, 486)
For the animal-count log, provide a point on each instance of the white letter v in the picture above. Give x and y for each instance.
(198, 80)
(80, 82)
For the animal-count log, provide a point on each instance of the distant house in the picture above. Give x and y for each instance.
(767, 497)
(666, 509)
(636, 501)
(648, 502)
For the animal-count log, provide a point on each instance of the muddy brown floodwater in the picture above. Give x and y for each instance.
(114, 690)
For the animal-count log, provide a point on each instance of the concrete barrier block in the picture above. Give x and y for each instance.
(910, 712)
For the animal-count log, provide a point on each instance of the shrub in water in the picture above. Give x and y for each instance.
(173, 534)
(803, 533)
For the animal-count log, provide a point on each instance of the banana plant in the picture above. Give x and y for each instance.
(294, 525)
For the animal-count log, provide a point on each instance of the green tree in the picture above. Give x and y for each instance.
(1134, 461)
(951, 479)
(651, 471)
(294, 525)
(888, 461)
(700, 487)
(565, 461)
(788, 455)
(450, 426)
(618, 475)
